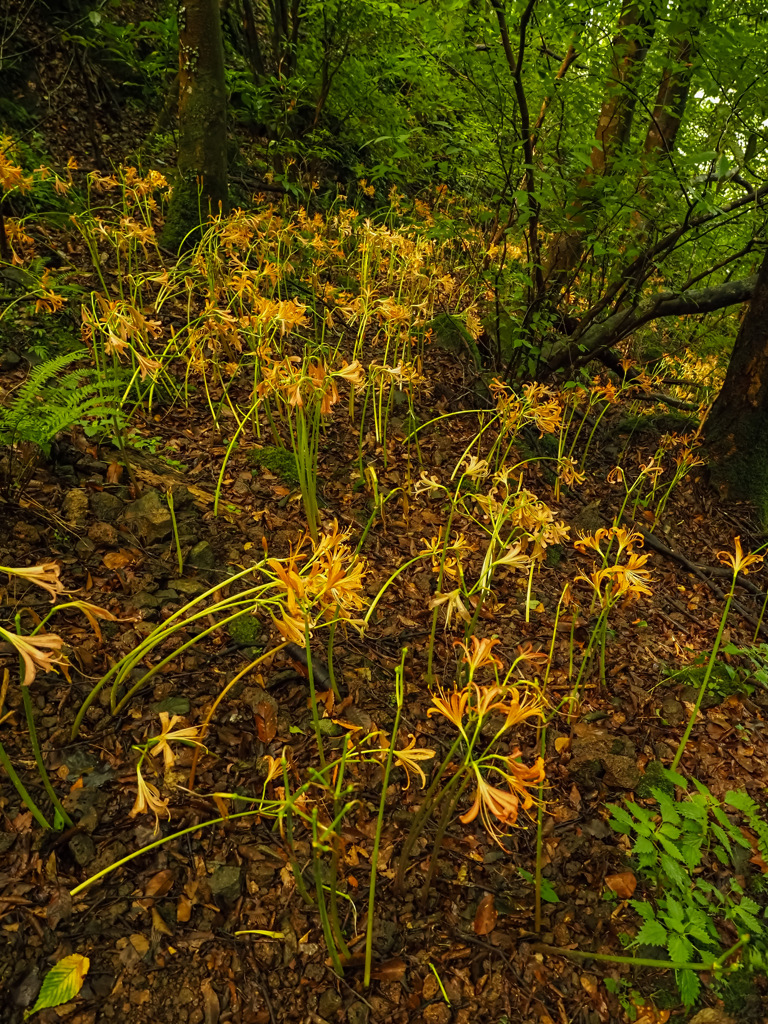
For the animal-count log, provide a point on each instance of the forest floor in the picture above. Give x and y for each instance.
(160, 931)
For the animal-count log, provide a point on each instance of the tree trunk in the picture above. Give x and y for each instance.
(671, 101)
(737, 427)
(629, 49)
(201, 186)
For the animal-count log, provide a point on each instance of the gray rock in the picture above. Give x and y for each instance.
(330, 1003)
(202, 556)
(148, 517)
(9, 360)
(82, 849)
(226, 882)
(188, 588)
(74, 508)
(27, 991)
(256, 698)
(106, 507)
(103, 535)
(357, 1013)
(673, 711)
(84, 547)
(597, 754)
(588, 520)
(145, 600)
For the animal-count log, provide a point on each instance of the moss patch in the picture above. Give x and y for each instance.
(247, 631)
(279, 461)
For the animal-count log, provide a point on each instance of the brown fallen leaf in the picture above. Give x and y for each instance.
(266, 721)
(158, 923)
(158, 885)
(140, 942)
(118, 559)
(486, 916)
(623, 884)
(390, 970)
(211, 1005)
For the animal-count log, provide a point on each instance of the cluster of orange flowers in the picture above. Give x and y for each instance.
(468, 709)
(321, 584)
(539, 405)
(128, 332)
(625, 578)
(299, 385)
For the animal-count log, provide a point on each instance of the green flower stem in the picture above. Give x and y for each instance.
(640, 961)
(446, 542)
(390, 581)
(171, 624)
(399, 693)
(539, 836)
(175, 525)
(431, 799)
(158, 842)
(44, 778)
(321, 905)
(313, 695)
(117, 706)
(442, 825)
(707, 675)
(22, 790)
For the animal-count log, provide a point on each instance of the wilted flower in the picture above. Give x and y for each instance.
(568, 473)
(514, 557)
(160, 743)
(94, 612)
(148, 799)
(454, 604)
(45, 576)
(503, 805)
(428, 484)
(39, 652)
(476, 469)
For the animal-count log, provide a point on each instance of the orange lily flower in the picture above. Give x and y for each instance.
(739, 562)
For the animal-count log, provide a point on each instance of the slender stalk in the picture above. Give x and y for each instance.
(442, 825)
(172, 510)
(707, 675)
(399, 693)
(321, 905)
(313, 695)
(44, 778)
(641, 961)
(539, 836)
(21, 789)
(431, 798)
(158, 842)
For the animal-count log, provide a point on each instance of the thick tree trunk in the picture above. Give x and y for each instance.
(201, 187)
(675, 84)
(737, 427)
(629, 49)
(671, 101)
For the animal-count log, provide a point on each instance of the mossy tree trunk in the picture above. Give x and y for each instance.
(737, 427)
(629, 49)
(201, 186)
